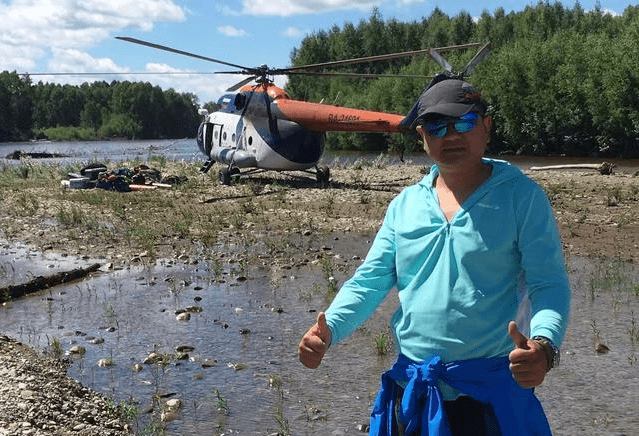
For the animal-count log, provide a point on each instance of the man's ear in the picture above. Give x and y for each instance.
(488, 123)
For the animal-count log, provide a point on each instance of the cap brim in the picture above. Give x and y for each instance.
(447, 110)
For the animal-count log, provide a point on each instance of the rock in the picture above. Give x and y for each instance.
(77, 349)
(152, 358)
(38, 398)
(601, 348)
(184, 316)
(168, 416)
(173, 404)
(208, 363)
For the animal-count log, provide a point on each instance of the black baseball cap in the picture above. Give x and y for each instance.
(451, 98)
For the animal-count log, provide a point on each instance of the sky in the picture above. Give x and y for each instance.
(78, 36)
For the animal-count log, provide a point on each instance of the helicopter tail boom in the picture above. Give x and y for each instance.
(324, 118)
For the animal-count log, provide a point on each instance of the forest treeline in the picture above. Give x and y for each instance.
(93, 110)
(560, 80)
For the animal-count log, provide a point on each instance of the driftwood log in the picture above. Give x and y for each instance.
(39, 283)
(604, 168)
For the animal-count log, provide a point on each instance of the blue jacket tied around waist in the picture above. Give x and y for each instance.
(518, 411)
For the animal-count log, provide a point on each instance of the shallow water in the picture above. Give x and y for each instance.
(103, 151)
(249, 328)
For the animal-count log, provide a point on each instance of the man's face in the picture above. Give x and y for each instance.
(449, 147)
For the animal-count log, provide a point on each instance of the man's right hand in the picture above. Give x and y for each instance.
(315, 343)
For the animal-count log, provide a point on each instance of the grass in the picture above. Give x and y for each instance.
(220, 402)
(55, 348)
(198, 213)
(383, 343)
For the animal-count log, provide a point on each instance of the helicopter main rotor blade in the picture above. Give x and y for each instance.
(180, 52)
(357, 75)
(241, 83)
(440, 60)
(481, 54)
(374, 58)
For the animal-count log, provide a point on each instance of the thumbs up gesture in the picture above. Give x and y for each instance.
(315, 343)
(528, 362)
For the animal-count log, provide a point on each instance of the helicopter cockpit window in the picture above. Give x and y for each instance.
(217, 134)
(240, 101)
(228, 103)
(224, 136)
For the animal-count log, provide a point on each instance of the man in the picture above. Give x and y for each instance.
(464, 247)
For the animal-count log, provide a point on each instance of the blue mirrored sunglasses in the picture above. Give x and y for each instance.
(439, 127)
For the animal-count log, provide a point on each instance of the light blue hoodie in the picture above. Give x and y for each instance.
(459, 282)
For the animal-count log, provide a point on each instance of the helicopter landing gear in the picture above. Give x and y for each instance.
(207, 166)
(226, 174)
(323, 175)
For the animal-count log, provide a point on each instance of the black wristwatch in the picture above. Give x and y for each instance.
(552, 352)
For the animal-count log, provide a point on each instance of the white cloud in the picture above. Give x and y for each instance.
(286, 8)
(611, 13)
(293, 32)
(231, 31)
(77, 61)
(29, 29)
(226, 11)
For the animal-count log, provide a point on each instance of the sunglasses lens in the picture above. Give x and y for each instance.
(463, 124)
(436, 128)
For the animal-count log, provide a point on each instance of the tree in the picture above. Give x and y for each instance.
(16, 99)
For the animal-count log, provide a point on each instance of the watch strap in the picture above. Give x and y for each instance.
(551, 350)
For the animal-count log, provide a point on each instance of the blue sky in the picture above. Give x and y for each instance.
(78, 36)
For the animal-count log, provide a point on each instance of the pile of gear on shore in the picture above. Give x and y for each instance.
(121, 179)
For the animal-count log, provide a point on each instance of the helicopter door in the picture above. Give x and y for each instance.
(217, 135)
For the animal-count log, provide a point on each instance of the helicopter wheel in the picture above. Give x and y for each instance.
(225, 176)
(323, 175)
(235, 172)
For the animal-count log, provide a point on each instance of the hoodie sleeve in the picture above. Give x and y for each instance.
(543, 263)
(370, 284)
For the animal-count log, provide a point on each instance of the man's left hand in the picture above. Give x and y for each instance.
(528, 361)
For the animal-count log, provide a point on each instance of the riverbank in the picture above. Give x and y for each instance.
(38, 398)
(263, 217)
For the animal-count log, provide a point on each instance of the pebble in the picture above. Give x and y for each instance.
(38, 398)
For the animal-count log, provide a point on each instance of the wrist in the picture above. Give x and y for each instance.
(550, 349)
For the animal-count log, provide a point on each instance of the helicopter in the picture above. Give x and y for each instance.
(258, 127)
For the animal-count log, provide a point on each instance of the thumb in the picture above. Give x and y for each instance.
(322, 328)
(520, 340)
